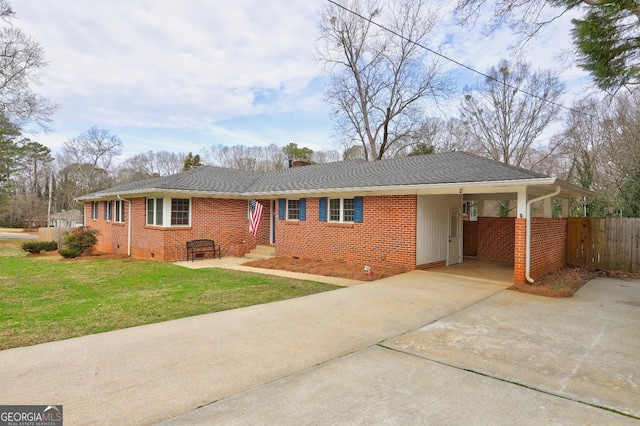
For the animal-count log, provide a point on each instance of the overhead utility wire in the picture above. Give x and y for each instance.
(460, 64)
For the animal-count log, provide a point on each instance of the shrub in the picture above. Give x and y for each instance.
(70, 252)
(39, 246)
(49, 245)
(80, 240)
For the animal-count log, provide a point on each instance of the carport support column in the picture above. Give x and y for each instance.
(520, 248)
(519, 251)
(565, 207)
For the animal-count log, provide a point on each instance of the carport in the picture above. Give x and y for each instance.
(531, 240)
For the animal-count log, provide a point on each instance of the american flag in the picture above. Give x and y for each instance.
(254, 216)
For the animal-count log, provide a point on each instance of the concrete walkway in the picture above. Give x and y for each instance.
(146, 374)
(236, 263)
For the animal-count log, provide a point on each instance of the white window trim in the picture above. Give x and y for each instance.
(109, 217)
(118, 211)
(155, 210)
(95, 210)
(287, 209)
(341, 210)
(167, 212)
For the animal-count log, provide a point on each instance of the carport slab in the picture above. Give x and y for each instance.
(585, 348)
(381, 386)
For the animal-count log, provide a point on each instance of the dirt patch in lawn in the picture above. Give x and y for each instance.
(566, 281)
(334, 268)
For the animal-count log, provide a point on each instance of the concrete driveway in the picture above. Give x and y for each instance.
(509, 359)
(419, 348)
(146, 374)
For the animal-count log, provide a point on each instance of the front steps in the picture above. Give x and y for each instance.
(261, 252)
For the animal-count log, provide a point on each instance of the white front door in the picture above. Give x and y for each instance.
(454, 236)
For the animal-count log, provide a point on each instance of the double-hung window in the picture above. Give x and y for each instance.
(293, 209)
(341, 209)
(119, 210)
(180, 211)
(108, 210)
(154, 211)
(94, 210)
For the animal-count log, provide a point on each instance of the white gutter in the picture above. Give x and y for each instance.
(128, 224)
(527, 262)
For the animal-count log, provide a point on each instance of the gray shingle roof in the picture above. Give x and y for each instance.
(205, 179)
(451, 167)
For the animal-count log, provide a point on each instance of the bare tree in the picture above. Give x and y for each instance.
(606, 35)
(355, 152)
(506, 113)
(21, 59)
(330, 156)
(85, 164)
(444, 135)
(583, 143)
(150, 164)
(257, 158)
(381, 79)
(96, 147)
(24, 210)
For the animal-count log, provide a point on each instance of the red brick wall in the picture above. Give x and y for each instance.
(520, 232)
(112, 237)
(224, 221)
(496, 239)
(386, 237)
(548, 245)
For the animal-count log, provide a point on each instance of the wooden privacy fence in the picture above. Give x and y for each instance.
(53, 234)
(608, 244)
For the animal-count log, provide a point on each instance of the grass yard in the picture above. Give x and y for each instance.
(44, 299)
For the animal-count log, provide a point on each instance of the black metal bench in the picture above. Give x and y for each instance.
(202, 246)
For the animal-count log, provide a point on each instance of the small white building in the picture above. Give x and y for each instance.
(67, 219)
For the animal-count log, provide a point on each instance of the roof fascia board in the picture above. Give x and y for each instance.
(485, 187)
(159, 192)
(437, 188)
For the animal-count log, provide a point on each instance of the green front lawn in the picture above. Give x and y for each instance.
(44, 299)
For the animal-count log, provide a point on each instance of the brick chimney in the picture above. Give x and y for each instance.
(298, 163)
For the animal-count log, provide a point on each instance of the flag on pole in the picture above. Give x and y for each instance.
(255, 212)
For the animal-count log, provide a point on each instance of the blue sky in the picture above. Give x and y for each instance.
(184, 75)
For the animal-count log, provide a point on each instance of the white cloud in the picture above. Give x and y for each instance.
(169, 63)
(178, 74)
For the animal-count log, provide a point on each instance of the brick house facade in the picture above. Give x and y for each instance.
(404, 212)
